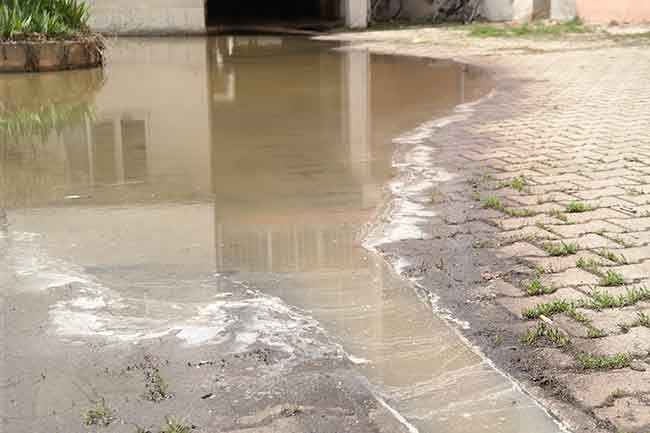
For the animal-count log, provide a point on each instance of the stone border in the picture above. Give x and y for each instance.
(30, 56)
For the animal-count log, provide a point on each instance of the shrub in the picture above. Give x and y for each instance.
(49, 18)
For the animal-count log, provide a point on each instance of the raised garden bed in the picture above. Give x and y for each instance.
(47, 35)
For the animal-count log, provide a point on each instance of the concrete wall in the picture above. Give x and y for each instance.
(148, 16)
(622, 11)
(179, 16)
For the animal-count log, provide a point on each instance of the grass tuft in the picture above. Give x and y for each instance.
(611, 256)
(542, 330)
(518, 184)
(536, 288)
(590, 362)
(99, 415)
(560, 250)
(174, 426)
(577, 207)
(492, 202)
(548, 309)
(612, 278)
(528, 30)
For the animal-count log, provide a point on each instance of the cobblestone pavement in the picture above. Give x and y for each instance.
(560, 162)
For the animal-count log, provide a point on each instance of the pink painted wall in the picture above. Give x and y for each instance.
(622, 11)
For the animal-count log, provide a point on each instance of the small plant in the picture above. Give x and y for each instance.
(563, 249)
(612, 278)
(492, 202)
(594, 332)
(157, 387)
(518, 212)
(619, 240)
(51, 18)
(518, 184)
(577, 207)
(611, 256)
(549, 309)
(601, 300)
(543, 331)
(590, 362)
(643, 320)
(174, 426)
(100, 415)
(437, 197)
(589, 265)
(536, 288)
(556, 213)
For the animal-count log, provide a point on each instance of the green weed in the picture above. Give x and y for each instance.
(528, 30)
(562, 249)
(611, 256)
(536, 288)
(544, 331)
(590, 362)
(100, 415)
(518, 184)
(577, 207)
(612, 278)
(492, 202)
(174, 426)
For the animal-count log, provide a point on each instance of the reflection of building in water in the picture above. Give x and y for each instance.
(146, 138)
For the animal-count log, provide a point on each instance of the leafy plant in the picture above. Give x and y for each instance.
(51, 18)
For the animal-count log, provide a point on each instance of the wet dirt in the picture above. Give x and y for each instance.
(185, 239)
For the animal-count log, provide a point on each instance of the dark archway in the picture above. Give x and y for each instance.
(296, 13)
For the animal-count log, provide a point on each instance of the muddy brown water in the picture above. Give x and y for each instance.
(215, 192)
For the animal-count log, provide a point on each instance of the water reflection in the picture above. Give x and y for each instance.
(262, 159)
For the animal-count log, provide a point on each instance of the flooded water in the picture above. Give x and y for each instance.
(137, 200)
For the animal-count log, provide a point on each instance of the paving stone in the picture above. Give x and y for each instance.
(559, 264)
(526, 233)
(593, 241)
(635, 271)
(636, 342)
(575, 230)
(593, 389)
(596, 214)
(610, 320)
(592, 194)
(633, 224)
(521, 249)
(570, 278)
(628, 414)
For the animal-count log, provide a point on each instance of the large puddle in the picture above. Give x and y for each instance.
(136, 198)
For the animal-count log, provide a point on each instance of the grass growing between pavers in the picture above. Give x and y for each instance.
(537, 288)
(542, 330)
(563, 249)
(495, 203)
(528, 30)
(611, 279)
(100, 415)
(518, 184)
(614, 362)
(577, 207)
(611, 256)
(642, 320)
(599, 300)
(556, 213)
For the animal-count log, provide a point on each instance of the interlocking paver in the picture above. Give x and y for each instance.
(572, 118)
